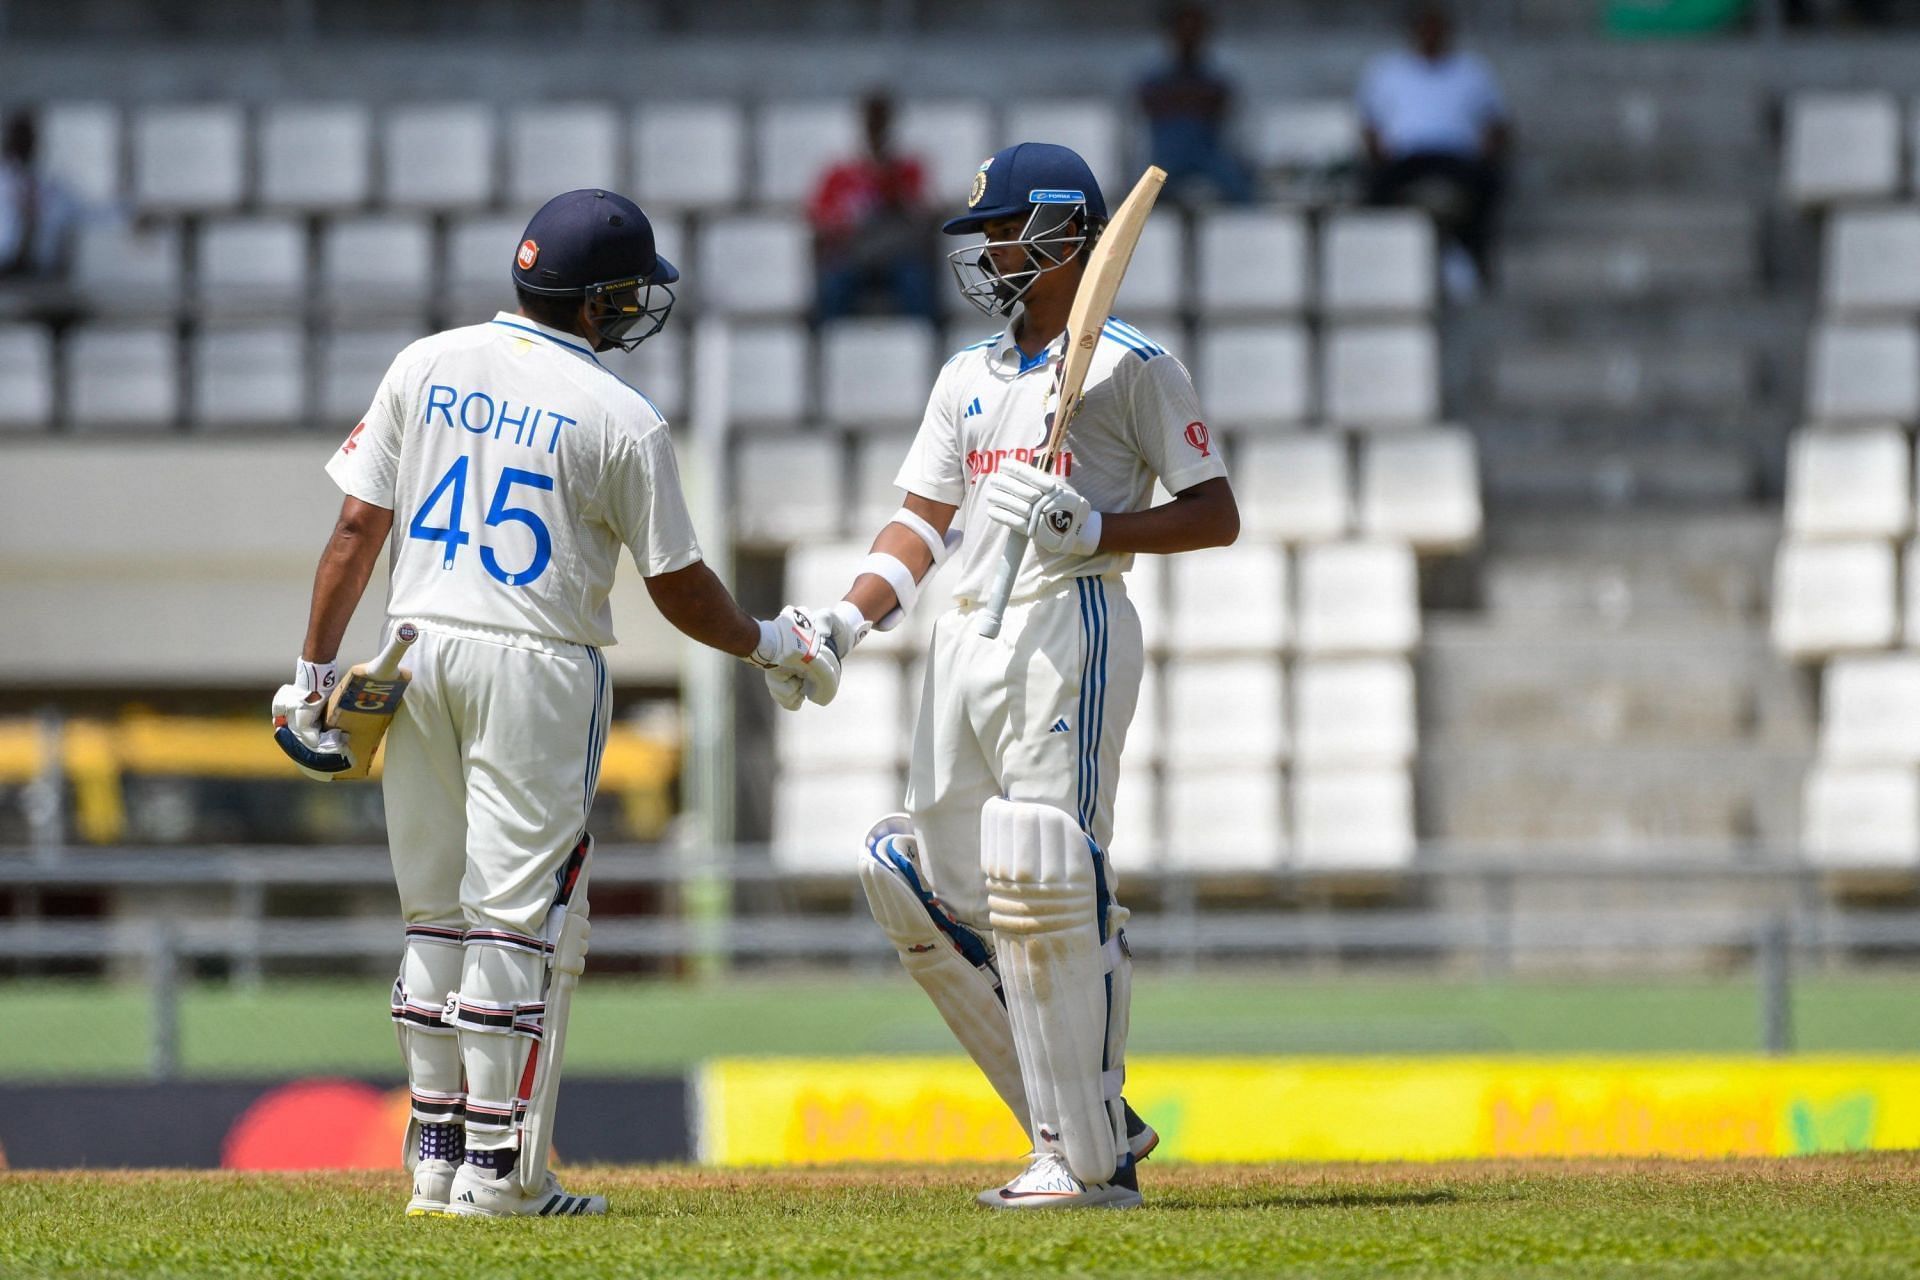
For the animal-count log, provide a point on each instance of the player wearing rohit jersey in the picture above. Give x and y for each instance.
(511, 468)
(995, 886)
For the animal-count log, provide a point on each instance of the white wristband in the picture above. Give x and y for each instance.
(905, 588)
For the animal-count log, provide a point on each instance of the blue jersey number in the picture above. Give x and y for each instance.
(498, 513)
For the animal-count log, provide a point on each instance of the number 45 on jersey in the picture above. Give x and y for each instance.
(453, 488)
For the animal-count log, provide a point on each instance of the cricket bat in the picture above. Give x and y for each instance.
(363, 705)
(1092, 304)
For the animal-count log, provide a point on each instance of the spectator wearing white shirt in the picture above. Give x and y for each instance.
(37, 212)
(1437, 131)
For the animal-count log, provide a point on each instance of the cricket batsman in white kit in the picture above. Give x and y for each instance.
(510, 467)
(995, 886)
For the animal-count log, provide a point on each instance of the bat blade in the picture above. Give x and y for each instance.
(364, 704)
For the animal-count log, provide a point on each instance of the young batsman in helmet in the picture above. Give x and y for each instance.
(995, 886)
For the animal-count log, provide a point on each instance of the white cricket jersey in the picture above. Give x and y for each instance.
(516, 467)
(1139, 419)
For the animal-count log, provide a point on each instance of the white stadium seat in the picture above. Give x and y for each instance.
(1358, 597)
(755, 265)
(876, 372)
(689, 155)
(1251, 262)
(1293, 486)
(1090, 126)
(1861, 818)
(1352, 712)
(480, 251)
(862, 729)
(26, 377)
(1830, 597)
(1255, 374)
(1147, 733)
(1139, 841)
(1380, 375)
(1865, 372)
(123, 270)
(1870, 709)
(1230, 600)
(80, 145)
(376, 265)
(1910, 594)
(1842, 146)
(1147, 590)
(1156, 279)
(562, 146)
(1225, 820)
(1225, 711)
(795, 143)
(252, 377)
(1850, 482)
(950, 139)
(1377, 260)
(189, 157)
(122, 377)
(1872, 260)
(252, 265)
(1421, 487)
(876, 461)
(1306, 134)
(316, 155)
(438, 156)
(1352, 820)
(351, 363)
(821, 818)
(657, 369)
(767, 371)
(787, 487)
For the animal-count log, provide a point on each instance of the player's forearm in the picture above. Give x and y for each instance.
(341, 578)
(872, 594)
(701, 608)
(1203, 516)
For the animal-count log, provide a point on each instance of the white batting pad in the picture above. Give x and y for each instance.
(964, 987)
(1043, 902)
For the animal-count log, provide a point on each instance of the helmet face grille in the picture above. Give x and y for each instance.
(1053, 236)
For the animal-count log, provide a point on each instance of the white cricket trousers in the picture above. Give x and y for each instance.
(1039, 713)
(491, 766)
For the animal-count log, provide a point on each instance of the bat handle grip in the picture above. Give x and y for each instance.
(996, 609)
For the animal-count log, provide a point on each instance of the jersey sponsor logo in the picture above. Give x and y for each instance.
(1055, 195)
(973, 408)
(528, 255)
(353, 439)
(1200, 438)
(984, 462)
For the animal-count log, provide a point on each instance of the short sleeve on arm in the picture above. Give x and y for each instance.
(1172, 434)
(645, 505)
(365, 464)
(934, 468)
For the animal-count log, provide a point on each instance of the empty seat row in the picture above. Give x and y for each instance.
(1850, 482)
(1861, 817)
(1844, 146)
(1864, 371)
(1870, 260)
(1199, 821)
(1844, 596)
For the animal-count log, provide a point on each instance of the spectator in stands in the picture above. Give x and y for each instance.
(1187, 104)
(1437, 133)
(873, 230)
(37, 212)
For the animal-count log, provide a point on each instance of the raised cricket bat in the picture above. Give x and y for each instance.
(363, 704)
(1092, 304)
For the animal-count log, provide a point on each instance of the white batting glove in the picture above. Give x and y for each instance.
(801, 663)
(319, 753)
(1045, 508)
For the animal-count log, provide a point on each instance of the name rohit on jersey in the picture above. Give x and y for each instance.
(984, 462)
(476, 412)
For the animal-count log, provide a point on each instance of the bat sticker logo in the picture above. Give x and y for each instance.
(1198, 436)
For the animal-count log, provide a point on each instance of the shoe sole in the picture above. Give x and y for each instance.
(1118, 1198)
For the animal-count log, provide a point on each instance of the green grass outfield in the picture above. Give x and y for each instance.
(1824, 1217)
(85, 1030)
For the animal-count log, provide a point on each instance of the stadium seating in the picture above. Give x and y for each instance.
(876, 461)
(1147, 733)
(1293, 487)
(862, 729)
(252, 266)
(251, 377)
(438, 156)
(1870, 710)
(1831, 597)
(1230, 600)
(767, 374)
(190, 157)
(129, 271)
(1850, 483)
(1421, 487)
(820, 572)
(795, 143)
(1377, 261)
(1255, 375)
(1225, 819)
(787, 488)
(1910, 594)
(1225, 712)
(1353, 713)
(1842, 146)
(479, 259)
(1861, 817)
(379, 265)
(656, 369)
(1357, 597)
(122, 378)
(1380, 375)
(1147, 591)
(821, 817)
(26, 377)
(315, 156)
(754, 265)
(1872, 261)
(555, 147)
(1251, 262)
(689, 155)
(351, 363)
(1352, 819)
(1139, 840)
(950, 138)
(1865, 372)
(876, 372)
(81, 144)
(1305, 141)
(1156, 280)
(1088, 125)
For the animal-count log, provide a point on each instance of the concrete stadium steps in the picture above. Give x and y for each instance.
(1638, 247)
(1623, 379)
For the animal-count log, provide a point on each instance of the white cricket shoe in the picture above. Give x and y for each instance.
(1048, 1183)
(475, 1195)
(1141, 1140)
(432, 1179)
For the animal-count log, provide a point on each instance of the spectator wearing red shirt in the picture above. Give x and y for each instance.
(873, 242)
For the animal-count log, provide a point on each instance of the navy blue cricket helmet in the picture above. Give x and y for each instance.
(1047, 185)
(598, 246)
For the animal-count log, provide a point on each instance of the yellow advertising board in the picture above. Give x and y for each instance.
(768, 1111)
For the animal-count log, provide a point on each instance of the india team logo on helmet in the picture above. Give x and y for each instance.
(979, 183)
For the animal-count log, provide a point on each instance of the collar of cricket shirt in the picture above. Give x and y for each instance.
(534, 329)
